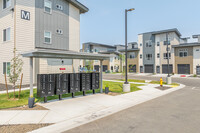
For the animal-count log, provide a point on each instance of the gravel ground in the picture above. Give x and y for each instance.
(21, 128)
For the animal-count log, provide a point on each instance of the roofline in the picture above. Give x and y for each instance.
(163, 31)
(99, 44)
(80, 6)
(129, 50)
(195, 36)
(186, 45)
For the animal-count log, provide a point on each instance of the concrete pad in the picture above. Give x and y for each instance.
(28, 117)
(53, 117)
(5, 116)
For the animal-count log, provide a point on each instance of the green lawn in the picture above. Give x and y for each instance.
(5, 103)
(133, 80)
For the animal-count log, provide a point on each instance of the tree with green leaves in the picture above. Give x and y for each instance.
(15, 70)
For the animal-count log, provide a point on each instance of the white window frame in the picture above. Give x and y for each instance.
(48, 37)
(158, 55)
(7, 34)
(7, 6)
(50, 2)
(59, 7)
(183, 51)
(148, 43)
(165, 57)
(6, 68)
(149, 57)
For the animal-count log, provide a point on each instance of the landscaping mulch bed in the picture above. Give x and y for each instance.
(113, 94)
(37, 107)
(22, 128)
(163, 88)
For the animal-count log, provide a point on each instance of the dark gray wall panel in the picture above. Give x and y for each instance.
(51, 22)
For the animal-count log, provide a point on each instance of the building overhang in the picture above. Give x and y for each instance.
(62, 54)
(81, 7)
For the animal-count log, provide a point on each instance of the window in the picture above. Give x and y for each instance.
(141, 44)
(165, 43)
(6, 68)
(140, 56)
(148, 44)
(132, 56)
(166, 57)
(47, 6)
(47, 37)
(183, 53)
(197, 50)
(6, 3)
(158, 43)
(149, 56)
(59, 7)
(158, 55)
(6, 34)
(59, 31)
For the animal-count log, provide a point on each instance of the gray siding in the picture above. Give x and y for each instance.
(51, 22)
(148, 50)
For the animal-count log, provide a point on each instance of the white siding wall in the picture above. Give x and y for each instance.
(74, 33)
(6, 48)
(196, 58)
(25, 33)
(140, 41)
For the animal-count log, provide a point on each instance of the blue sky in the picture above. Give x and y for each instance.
(104, 23)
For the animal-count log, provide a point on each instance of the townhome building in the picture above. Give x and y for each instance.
(28, 25)
(114, 64)
(187, 57)
(133, 57)
(153, 50)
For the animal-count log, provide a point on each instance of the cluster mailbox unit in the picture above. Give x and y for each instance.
(58, 84)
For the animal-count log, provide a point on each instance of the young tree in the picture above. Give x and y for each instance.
(15, 70)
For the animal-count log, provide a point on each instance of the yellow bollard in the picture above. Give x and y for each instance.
(161, 82)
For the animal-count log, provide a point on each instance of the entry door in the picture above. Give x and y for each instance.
(105, 68)
(148, 68)
(183, 68)
(132, 68)
(198, 70)
(96, 67)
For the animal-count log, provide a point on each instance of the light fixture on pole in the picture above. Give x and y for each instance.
(126, 87)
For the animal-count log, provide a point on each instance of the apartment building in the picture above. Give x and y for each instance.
(187, 57)
(153, 50)
(39, 24)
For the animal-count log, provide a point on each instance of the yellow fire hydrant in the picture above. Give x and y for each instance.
(161, 82)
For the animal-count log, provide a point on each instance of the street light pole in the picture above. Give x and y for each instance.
(126, 85)
(126, 75)
(126, 45)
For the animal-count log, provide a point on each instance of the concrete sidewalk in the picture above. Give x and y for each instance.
(70, 113)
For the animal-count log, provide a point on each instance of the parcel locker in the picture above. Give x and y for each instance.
(95, 80)
(62, 84)
(46, 85)
(85, 81)
(74, 82)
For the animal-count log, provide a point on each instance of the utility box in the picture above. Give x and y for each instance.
(86, 81)
(62, 84)
(74, 82)
(45, 85)
(95, 81)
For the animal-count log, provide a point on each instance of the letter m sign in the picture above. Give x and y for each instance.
(25, 15)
